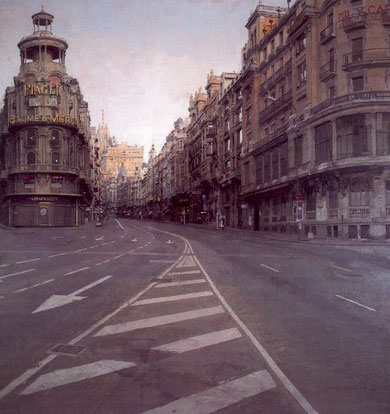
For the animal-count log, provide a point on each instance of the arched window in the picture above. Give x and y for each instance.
(31, 158)
(31, 138)
(55, 138)
(55, 158)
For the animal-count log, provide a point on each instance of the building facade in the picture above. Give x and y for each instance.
(45, 142)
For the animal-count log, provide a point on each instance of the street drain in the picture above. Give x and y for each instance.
(155, 279)
(69, 350)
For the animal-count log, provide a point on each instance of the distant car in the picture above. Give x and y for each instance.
(98, 224)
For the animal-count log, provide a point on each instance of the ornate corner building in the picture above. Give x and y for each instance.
(46, 165)
(316, 119)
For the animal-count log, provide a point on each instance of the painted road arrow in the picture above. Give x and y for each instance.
(60, 300)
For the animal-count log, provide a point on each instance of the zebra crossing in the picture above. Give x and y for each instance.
(180, 331)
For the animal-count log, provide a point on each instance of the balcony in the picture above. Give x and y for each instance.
(354, 23)
(327, 34)
(366, 58)
(273, 109)
(40, 168)
(328, 71)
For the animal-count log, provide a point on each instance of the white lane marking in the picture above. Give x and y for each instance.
(181, 283)
(270, 268)
(99, 238)
(106, 261)
(32, 371)
(76, 271)
(105, 244)
(122, 237)
(94, 247)
(98, 264)
(162, 261)
(34, 286)
(186, 272)
(59, 254)
(187, 262)
(28, 261)
(83, 237)
(60, 300)
(114, 241)
(356, 303)
(173, 298)
(4, 265)
(221, 396)
(2, 297)
(271, 363)
(200, 341)
(120, 225)
(120, 255)
(159, 321)
(17, 273)
(342, 268)
(81, 250)
(169, 242)
(76, 374)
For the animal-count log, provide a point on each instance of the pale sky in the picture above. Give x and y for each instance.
(139, 60)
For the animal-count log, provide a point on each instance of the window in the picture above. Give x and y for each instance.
(259, 169)
(267, 166)
(280, 38)
(331, 92)
(357, 49)
(55, 158)
(353, 232)
(55, 138)
(249, 116)
(357, 84)
(388, 192)
(239, 137)
(333, 201)
(298, 151)
(227, 145)
(31, 138)
(311, 201)
(272, 45)
(301, 44)
(284, 159)
(275, 163)
(323, 142)
(246, 173)
(359, 195)
(301, 74)
(352, 136)
(30, 158)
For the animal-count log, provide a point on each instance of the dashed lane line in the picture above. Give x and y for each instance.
(105, 244)
(17, 273)
(34, 286)
(59, 254)
(94, 247)
(81, 250)
(270, 268)
(200, 341)
(28, 261)
(356, 303)
(5, 265)
(342, 268)
(120, 225)
(119, 255)
(159, 321)
(173, 298)
(221, 396)
(76, 271)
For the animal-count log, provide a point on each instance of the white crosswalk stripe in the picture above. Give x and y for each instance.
(173, 298)
(159, 321)
(181, 283)
(219, 397)
(76, 374)
(201, 341)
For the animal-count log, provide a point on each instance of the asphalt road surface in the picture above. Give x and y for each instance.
(145, 317)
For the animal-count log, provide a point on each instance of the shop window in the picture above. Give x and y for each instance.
(311, 202)
(329, 231)
(387, 231)
(31, 138)
(333, 199)
(275, 163)
(267, 166)
(54, 138)
(31, 159)
(353, 231)
(323, 142)
(388, 192)
(365, 231)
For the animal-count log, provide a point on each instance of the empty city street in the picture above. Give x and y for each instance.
(151, 317)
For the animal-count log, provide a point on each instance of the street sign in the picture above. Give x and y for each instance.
(298, 210)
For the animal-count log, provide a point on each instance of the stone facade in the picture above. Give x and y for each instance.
(46, 162)
(299, 140)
